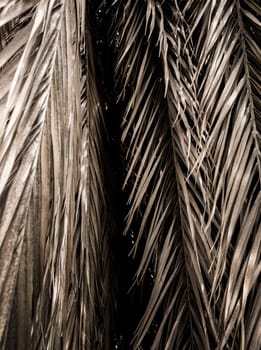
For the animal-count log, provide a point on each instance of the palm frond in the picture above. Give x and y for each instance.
(23, 108)
(52, 138)
(77, 238)
(229, 94)
(187, 81)
(159, 147)
(193, 166)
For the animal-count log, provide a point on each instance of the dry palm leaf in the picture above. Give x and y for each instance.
(27, 65)
(188, 78)
(51, 151)
(192, 147)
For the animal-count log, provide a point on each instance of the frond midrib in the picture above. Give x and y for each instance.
(248, 83)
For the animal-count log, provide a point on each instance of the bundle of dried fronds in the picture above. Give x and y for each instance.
(187, 97)
(53, 217)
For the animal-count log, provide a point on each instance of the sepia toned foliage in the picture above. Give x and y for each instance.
(130, 164)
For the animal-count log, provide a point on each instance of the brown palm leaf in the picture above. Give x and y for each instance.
(189, 75)
(188, 102)
(52, 202)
